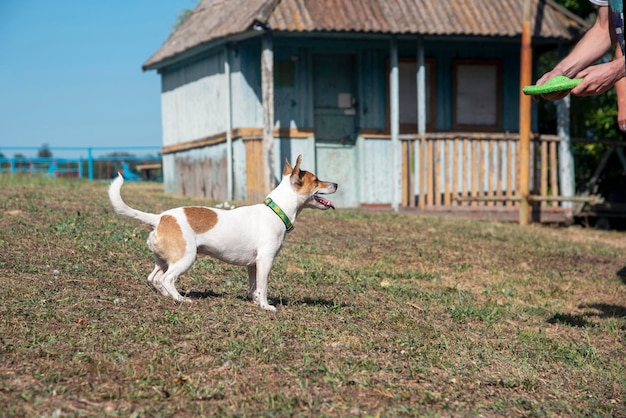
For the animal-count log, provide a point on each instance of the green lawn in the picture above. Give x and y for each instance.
(378, 315)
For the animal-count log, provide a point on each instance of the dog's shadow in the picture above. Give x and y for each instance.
(323, 303)
(621, 273)
(577, 321)
(194, 294)
(597, 310)
(326, 303)
(605, 310)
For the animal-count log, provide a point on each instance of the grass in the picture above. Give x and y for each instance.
(378, 315)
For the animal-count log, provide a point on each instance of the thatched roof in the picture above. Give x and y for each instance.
(215, 20)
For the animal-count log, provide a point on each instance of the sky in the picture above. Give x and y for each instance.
(70, 73)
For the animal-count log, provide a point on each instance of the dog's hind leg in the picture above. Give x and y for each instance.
(155, 277)
(160, 267)
(252, 282)
(168, 279)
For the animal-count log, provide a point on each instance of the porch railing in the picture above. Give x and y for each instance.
(476, 170)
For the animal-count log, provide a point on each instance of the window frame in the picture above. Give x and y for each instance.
(496, 126)
(409, 128)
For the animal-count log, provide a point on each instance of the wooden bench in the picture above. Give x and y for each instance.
(144, 169)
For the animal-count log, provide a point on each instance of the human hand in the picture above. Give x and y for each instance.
(557, 95)
(598, 78)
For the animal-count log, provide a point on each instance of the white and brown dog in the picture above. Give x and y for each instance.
(248, 236)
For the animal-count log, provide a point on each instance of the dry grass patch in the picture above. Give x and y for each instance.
(378, 314)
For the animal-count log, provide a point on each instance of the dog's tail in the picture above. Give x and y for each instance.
(123, 209)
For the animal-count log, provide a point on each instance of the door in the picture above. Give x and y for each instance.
(335, 123)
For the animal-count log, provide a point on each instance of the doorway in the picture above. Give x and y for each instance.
(336, 123)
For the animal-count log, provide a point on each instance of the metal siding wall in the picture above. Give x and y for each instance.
(239, 170)
(374, 100)
(246, 88)
(169, 174)
(376, 186)
(289, 149)
(291, 102)
(191, 100)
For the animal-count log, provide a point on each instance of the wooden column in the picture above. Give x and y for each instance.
(267, 87)
(394, 107)
(229, 125)
(421, 111)
(524, 116)
(565, 156)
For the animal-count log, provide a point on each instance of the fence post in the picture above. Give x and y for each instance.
(524, 123)
(90, 163)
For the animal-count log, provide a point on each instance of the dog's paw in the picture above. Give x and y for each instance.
(182, 299)
(161, 290)
(267, 307)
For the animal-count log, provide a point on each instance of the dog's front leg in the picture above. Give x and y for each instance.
(259, 295)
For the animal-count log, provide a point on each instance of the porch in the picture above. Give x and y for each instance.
(469, 175)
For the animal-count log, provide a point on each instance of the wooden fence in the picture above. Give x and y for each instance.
(474, 170)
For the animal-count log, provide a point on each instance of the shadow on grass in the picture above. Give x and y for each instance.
(194, 294)
(323, 302)
(621, 273)
(305, 301)
(605, 310)
(597, 310)
(577, 321)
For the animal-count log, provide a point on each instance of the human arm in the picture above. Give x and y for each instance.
(593, 45)
(620, 89)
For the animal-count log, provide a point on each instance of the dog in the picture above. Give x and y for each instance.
(249, 236)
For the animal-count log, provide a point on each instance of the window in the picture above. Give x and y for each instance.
(284, 73)
(477, 92)
(407, 75)
(408, 95)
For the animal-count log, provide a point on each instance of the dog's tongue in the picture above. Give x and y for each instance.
(325, 202)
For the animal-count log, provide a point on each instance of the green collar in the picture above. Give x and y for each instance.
(278, 211)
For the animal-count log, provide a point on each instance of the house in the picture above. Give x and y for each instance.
(404, 103)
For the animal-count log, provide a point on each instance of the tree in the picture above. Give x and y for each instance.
(183, 15)
(44, 151)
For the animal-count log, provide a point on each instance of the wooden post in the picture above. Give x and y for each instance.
(565, 158)
(267, 87)
(524, 116)
(394, 99)
(229, 126)
(421, 107)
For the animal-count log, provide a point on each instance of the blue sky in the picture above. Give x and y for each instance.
(70, 72)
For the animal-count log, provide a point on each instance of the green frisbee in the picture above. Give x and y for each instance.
(558, 83)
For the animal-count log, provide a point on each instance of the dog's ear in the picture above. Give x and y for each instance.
(295, 173)
(287, 170)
